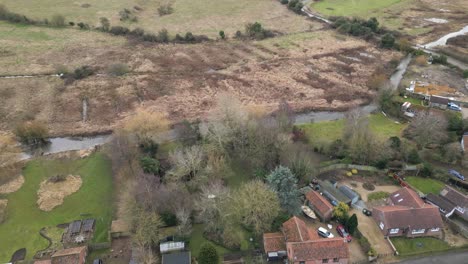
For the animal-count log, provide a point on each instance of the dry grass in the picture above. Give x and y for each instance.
(12, 186)
(197, 16)
(3, 206)
(51, 194)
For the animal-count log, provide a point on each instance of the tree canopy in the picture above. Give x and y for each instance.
(284, 183)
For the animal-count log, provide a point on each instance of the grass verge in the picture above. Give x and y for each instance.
(24, 219)
(425, 185)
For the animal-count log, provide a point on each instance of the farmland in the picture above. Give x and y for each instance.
(24, 217)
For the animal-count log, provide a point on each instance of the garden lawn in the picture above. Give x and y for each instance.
(24, 219)
(425, 185)
(323, 133)
(414, 246)
(197, 240)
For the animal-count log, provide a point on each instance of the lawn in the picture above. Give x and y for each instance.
(414, 246)
(24, 219)
(197, 16)
(425, 185)
(322, 133)
(197, 240)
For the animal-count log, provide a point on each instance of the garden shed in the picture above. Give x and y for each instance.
(333, 194)
(349, 193)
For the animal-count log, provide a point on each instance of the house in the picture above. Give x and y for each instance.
(320, 205)
(464, 143)
(349, 193)
(458, 199)
(75, 255)
(438, 101)
(408, 215)
(302, 245)
(333, 194)
(177, 258)
(445, 206)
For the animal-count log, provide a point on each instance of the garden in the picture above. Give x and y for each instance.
(24, 219)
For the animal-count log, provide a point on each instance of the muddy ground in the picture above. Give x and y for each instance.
(317, 70)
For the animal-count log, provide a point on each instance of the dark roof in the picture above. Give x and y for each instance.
(348, 192)
(273, 242)
(415, 218)
(75, 226)
(439, 100)
(322, 205)
(176, 258)
(88, 225)
(319, 249)
(68, 256)
(439, 201)
(406, 197)
(328, 188)
(295, 230)
(454, 196)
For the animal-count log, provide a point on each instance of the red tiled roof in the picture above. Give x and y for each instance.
(406, 197)
(273, 242)
(319, 202)
(46, 261)
(319, 249)
(295, 230)
(68, 256)
(415, 218)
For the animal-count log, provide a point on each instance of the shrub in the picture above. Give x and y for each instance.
(208, 254)
(284, 2)
(149, 147)
(57, 21)
(256, 31)
(150, 165)
(442, 59)
(138, 32)
(421, 60)
(189, 37)
(82, 25)
(163, 36)
(71, 23)
(150, 37)
(169, 219)
(57, 178)
(118, 30)
(105, 24)
(295, 6)
(388, 41)
(413, 157)
(165, 9)
(377, 196)
(118, 69)
(465, 74)
(238, 34)
(126, 14)
(368, 186)
(82, 72)
(32, 132)
(222, 35)
(427, 170)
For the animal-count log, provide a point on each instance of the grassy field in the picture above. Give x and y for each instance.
(198, 16)
(361, 8)
(425, 185)
(414, 246)
(325, 132)
(24, 219)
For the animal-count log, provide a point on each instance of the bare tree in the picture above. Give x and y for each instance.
(427, 128)
(187, 163)
(146, 125)
(285, 115)
(210, 204)
(185, 223)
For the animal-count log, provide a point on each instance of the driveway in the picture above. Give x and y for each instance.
(449, 258)
(364, 193)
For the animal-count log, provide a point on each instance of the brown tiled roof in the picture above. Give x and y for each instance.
(439, 201)
(454, 196)
(406, 197)
(46, 261)
(416, 218)
(319, 202)
(439, 100)
(319, 249)
(68, 256)
(273, 242)
(465, 142)
(295, 230)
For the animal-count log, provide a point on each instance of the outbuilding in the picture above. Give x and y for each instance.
(349, 193)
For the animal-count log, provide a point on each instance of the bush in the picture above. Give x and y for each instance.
(284, 2)
(57, 178)
(168, 218)
(149, 147)
(82, 72)
(442, 59)
(118, 69)
(32, 132)
(189, 37)
(83, 26)
(295, 6)
(57, 21)
(377, 196)
(238, 34)
(118, 30)
(222, 35)
(256, 31)
(413, 157)
(163, 36)
(165, 9)
(126, 14)
(208, 254)
(105, 24)
(465, 74)
(427, 170)
(388, 41)
(368, 186)
(150, 165)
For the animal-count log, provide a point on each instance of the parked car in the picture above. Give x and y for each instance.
(97, 261)
(342, 232)
(366, 212)
(453, 106)
(324, 233)
(457, 174)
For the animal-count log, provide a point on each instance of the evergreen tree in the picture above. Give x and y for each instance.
(284, 183)
(208, 254)
(352, 224)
